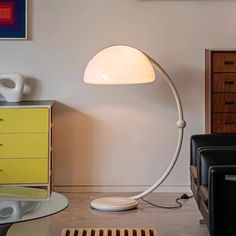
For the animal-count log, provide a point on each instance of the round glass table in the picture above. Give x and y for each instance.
(18, 204)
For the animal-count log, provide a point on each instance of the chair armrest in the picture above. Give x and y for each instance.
(213, 156)
(205, 140)
(221, 203)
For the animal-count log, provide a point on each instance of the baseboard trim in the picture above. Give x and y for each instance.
(84, 189)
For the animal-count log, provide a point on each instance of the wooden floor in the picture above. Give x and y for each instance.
(182, 222)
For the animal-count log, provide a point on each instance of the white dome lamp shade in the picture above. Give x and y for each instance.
(121, 64)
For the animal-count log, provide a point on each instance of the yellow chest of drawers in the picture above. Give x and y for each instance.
(26, 143)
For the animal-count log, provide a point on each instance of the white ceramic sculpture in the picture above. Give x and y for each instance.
(12, 94)
(10, 211)
(14, 210)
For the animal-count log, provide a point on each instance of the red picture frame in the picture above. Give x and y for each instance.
(13, 19)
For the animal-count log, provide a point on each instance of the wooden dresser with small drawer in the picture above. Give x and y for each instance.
(220, 91)
(26, 143)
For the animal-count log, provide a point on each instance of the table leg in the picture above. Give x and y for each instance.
(4, 228)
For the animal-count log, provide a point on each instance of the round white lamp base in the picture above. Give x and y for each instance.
(114, 204)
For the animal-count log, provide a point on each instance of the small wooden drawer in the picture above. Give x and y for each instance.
(224, 102)
(19, 171)
(24, 120)
(224, 123)
(23, 145)
(224, 82)
(224, 62)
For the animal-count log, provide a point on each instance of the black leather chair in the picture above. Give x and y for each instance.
(213, 180)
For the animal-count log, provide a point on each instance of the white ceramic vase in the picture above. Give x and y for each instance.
(12, 94)
(10, 211)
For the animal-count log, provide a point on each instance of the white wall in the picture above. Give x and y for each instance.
(118, 136)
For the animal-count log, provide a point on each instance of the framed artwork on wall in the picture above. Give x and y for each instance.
(13, 19)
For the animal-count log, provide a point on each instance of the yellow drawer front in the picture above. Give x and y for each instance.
(23, 145)
(20, 171)
(24, 120)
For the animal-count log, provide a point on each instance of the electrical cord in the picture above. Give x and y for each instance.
(179, 204)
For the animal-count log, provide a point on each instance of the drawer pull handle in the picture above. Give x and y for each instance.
(1, 119)
(229, 102)
(229, 62)
(229, 82)
(229, 123)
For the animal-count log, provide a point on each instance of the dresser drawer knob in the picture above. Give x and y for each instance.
(229, 102)
(229, 123)
(229, 62)
(1, 119)
(229, 82)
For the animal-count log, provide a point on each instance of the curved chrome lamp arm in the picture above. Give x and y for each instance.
(180, 124)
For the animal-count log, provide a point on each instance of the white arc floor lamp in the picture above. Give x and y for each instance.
(121, 64)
